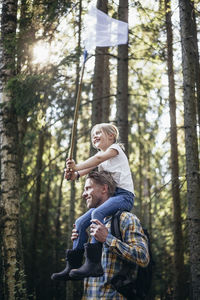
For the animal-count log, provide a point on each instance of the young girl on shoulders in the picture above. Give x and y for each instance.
(111, 158)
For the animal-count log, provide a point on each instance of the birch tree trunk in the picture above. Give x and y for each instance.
(13, 273)
(178, 236)
(190, 123)
(122, 81)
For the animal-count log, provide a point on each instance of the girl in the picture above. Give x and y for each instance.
(110, 158)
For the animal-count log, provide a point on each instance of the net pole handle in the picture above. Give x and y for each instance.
(78, 100)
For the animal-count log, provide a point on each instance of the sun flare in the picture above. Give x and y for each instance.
(41, 53)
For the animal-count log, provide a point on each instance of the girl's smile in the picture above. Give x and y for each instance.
(101, 140)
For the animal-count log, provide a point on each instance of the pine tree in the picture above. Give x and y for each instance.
(178, 236)
(122, 81)
(190, 124)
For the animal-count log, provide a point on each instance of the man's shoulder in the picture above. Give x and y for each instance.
(126, 215)
(129, 218)
(125, 218)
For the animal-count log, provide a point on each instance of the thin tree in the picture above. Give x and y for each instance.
(190, 124)
(122, 81)
(13, 281)
(101, 81)
(36, 210)
(106, 89)
(178, 236)
(197, 65)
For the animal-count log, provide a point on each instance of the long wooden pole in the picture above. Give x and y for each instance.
(78, 100)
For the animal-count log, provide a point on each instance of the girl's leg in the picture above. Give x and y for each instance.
(122, 200)
(93, 251)
(82, 224)
(92, 265)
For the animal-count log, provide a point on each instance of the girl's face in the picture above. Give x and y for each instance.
(102, 140)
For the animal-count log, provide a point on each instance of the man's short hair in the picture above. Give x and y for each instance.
(103, 177)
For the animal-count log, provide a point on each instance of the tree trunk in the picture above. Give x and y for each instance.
(13, 273)
(36, 209)
(122, 81)
(140, 167)
(106, 90)
(21, 50)
(178, 236)
(192, 162)
(197, 66)
(149, 192)
(101, 83)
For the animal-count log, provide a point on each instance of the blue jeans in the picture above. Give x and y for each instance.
(122, 199)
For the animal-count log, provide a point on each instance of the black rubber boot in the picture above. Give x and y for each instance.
(92, 266)
(74, 259)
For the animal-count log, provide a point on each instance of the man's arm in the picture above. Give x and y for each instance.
(133, 248)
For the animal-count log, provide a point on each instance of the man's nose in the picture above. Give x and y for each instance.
(84, 194)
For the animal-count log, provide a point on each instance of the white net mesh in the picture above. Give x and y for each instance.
(103, 31)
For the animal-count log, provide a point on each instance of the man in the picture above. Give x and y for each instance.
(133, 248)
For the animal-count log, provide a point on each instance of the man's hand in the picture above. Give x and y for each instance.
(98, 230)
(74, 235)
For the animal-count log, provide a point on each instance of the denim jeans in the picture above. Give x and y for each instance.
(122, 199)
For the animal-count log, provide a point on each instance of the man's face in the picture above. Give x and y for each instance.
(93, 193)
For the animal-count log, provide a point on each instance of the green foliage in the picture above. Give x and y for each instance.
(26, 92)
(9, 43)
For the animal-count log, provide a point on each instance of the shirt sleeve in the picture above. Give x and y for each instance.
(116, 147)
(134, 247)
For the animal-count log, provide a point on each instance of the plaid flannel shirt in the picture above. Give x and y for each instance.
(134, 248)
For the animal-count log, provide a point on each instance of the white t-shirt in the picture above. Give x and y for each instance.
(118, 166)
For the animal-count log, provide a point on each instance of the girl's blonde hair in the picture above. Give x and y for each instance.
(107, 128)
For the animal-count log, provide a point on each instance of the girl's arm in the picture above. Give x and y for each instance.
(85, 171)
(93, 161)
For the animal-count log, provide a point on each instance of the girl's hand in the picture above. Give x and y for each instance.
(69, 175)
(70, 164)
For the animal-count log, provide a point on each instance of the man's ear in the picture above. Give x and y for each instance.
(105, 189)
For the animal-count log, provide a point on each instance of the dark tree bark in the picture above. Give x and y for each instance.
(190, 125)
(178, 236)
(197, 65)
(106, 90)
(13, 273)
(141, 153)
(122, 81)
(101, 82)
(36, 210)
